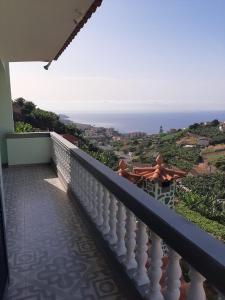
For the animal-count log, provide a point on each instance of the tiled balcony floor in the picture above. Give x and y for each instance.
(52, 254)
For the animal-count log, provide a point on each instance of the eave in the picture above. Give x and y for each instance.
(33, 30)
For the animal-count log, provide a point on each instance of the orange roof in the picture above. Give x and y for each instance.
(156, 173)
(124, 172)
(69, 137)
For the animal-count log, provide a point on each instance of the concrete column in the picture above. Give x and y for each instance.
(6, 112)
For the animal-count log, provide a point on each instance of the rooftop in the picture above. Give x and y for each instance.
(155, 173)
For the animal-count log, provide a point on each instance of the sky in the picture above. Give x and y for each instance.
(136, 56)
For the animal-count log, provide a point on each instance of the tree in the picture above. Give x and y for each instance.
(43, 119)
(20, 101)
(215, 123)
(72, 129)
(194, 126)
(28, 107)
(161, 129)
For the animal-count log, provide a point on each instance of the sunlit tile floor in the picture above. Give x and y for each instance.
(52, 254)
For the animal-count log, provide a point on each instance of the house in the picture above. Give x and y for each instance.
(74, 228)
(192, 140)
(222, 126)
(203, 142)
(188, 140)
(71, 138)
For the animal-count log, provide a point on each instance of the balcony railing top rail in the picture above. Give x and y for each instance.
(202, 251)
(29, 135)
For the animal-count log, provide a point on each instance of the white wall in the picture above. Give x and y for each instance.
(26, 151)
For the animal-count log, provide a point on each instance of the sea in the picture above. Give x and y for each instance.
(144, 122)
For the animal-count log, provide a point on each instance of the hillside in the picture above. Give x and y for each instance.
(198, 149)
(28, 118)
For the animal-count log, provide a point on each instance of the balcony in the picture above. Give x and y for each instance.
(77, 230)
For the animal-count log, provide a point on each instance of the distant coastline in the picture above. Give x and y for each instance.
(140, 122)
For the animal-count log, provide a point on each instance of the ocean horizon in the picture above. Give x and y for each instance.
(144, 122)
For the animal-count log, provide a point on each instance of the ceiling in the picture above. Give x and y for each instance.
(40, 30)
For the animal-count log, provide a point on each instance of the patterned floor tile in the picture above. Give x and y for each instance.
(52, 254)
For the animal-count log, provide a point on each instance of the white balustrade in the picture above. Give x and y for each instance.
(173, 276)
(121, 230)
(130, 240)
(141, 276)
(95, 200)
(90, 196)
(155, 271)
(129, 237)
(196, 289)
(112, 237)
(82, 184)
(79, 181)
(85, 188)
(100, 205)
(105, 226)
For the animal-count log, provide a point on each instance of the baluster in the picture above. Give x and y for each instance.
(87, 191)
(76, 176)
(100, 205)
(76, 179)
(85, 187)
(121, 230)
(141, 276)
(90, 198)
(130, 241)
(105, 226)
(67, 166)
(173, 276)
(73, 175)
(82, 183)
(112, 237)
(196, 290)
(78, 191)
(95, 200)
(155, 271)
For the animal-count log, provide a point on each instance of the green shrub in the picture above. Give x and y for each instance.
(212, 227)
(23, 127)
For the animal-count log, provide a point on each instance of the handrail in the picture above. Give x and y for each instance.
(28, 135)
(202, 251)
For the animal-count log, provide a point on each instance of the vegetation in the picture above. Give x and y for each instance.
(23, 127)
(183, 158)
(212, 227)
(201, 198)
(218, 161)
(210, 131)
(108, 158)
(29, 118)
(205, 194)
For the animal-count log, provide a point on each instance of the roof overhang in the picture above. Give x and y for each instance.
(40, 30)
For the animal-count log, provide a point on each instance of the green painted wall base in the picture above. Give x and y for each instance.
(6, 113)
(27, 151)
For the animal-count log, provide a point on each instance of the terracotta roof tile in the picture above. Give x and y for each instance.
(156, 173)
(69, 137)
